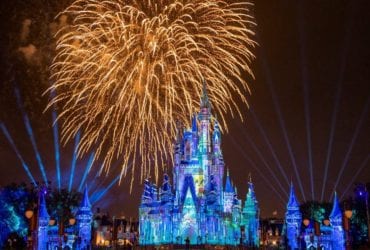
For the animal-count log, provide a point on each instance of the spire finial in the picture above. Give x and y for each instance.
(250, 177)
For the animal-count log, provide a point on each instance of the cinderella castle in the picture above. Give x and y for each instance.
(200, 207)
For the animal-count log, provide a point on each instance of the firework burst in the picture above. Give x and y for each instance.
(126, 71)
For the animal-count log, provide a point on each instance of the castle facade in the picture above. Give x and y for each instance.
(201, 207)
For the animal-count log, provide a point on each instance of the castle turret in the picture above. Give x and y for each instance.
(216, 140)
(43, 222)
(293, 220)
(204, 118)
(166, 191)
(335, 218)
(194, 130)
(229, 194)
(84, 220)
(250, 217)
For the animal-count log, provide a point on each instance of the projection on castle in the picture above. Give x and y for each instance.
(200, 208)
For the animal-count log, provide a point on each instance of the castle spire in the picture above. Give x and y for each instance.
(336, 211)
(84, 219)
(228, 186)
(292, 203)
(43, 212)
(43, 222)
(85, 200)
(204, 99)
(194, 126)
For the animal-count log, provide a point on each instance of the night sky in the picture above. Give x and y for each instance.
(311, 90)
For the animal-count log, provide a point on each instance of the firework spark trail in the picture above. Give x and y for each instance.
(73, 163)
(354, 177)
(125, 71)
(10, 140)
(263, 176)
(31, 135)
(352, 143)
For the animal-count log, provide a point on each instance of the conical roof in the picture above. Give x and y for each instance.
(43, 212)
(292, 203)
(228, 186)
(336, 211)
(194, 126)
(85, 199)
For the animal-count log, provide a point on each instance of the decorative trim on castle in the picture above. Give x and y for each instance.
(198, 209)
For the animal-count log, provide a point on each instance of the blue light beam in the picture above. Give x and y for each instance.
(253, 164)
(99, 194)
(263, 160)
(74, 159)
(354, 177)
(11, 142)
(269, 145)
(305, 81)
(343, 66)
(56, 146)
(281, 122)
(352, 143)
(87, 170)
(31, 136)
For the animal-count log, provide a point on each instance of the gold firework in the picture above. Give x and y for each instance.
(126, 71)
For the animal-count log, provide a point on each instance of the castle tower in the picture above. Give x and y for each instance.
(84, 220)
(236, 220)
(166, 203)
(250, 218)
(197, 210)
(43, 222)
(335, 218)
(217, 169)
(145, 223)
(229, 194)
(204, 118)
(293, 220)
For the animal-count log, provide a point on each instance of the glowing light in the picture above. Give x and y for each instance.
(125, 71)
(352, 143)
(97, 196)
(263, 176)
(73, 163)
(56, 146)
(30, 134)
(87, 170)
(282, 125)
(262, 158)
(10, 140)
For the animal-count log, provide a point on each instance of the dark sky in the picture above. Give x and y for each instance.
(311, 78)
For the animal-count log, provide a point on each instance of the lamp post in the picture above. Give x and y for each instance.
(347, 217)
(29, 215)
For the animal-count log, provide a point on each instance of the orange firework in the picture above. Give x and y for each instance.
(126, 71)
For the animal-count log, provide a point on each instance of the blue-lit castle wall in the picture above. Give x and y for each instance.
(199, 208)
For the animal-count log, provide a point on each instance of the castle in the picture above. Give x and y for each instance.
(199, 208)
(48, 237)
